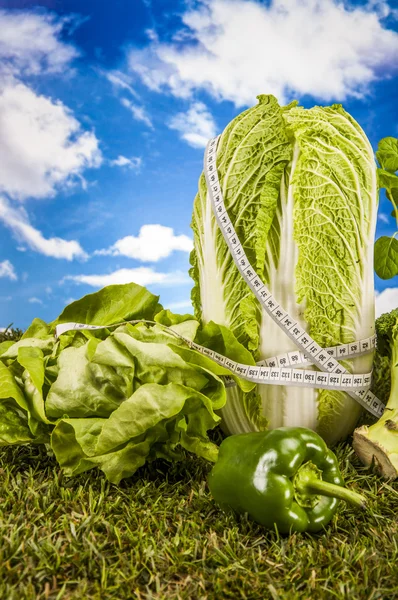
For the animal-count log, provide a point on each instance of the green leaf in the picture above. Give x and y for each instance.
(389, 181)
(193, 441)
(32, 360)
(4, 346)
(73, 441)
(386, 257)
(166, 317)
(29, 399)
(120, 398)
(10, 389)
(392, 195)
(197, 359)
(46, 345)
(133, 397)
(86, 389)
(112, 304)
(157, 363)
(13, 426)
(387, 154)
(185, 325)
(37, 329)
(386, 179)
(153, 421)
(148, 406)
(222, 340)
(68, 439)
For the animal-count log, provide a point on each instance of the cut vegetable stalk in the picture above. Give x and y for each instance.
(378, 444)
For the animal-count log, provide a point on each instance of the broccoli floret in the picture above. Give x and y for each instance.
(381, 380)
(384, 330)
(378, 444)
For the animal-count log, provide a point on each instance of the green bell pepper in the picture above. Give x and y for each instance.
(285, 477)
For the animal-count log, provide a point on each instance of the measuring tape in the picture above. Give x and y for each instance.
(263, 371)
(282, 369)
(332, 371)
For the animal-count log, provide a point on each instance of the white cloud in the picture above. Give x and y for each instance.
(120, 80)
(29, 43)
(153, 243)
(386, 301)
(382, 8)
(139, 113)
(196, 126)
(383, 218)
(142, 275)
(156, 73)
(35, 300)
(7, 270)
(42, 145)
(2, 329)
(237, 49)
(181, 305)
(134, 162)
(43, 148)
(17, 220)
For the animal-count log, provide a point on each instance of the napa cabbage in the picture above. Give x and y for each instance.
(300, 187)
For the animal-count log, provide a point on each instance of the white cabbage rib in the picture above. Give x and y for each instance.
(211, 272)
(284, 406)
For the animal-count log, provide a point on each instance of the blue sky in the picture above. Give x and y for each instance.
(105, 109)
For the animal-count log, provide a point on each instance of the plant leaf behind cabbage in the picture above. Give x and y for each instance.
(300, 188)
(118, 397)
(386, 248)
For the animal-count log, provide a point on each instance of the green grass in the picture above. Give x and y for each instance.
(159, 535)
(10, 334)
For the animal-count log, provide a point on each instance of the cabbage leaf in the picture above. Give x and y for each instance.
(300, 188)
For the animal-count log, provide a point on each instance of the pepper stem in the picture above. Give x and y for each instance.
(324, 488)
(309, 482)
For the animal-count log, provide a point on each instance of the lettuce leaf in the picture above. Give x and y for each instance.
(114, 398)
